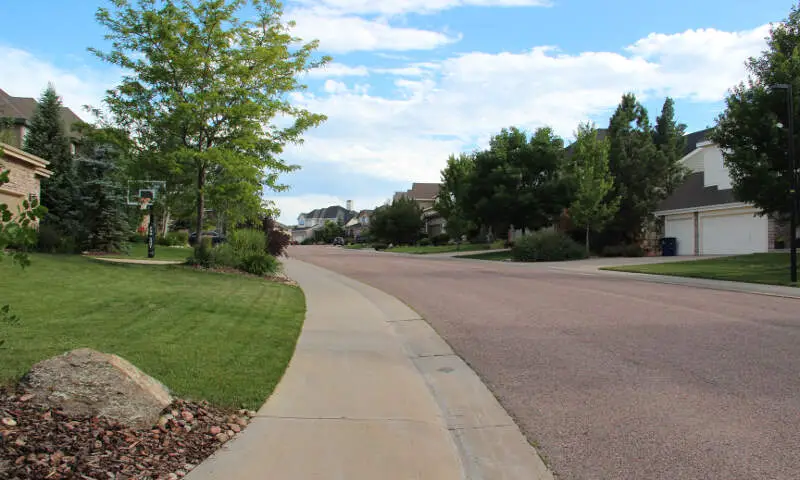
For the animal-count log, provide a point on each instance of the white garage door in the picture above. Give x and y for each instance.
(733, 234)
(681, 228)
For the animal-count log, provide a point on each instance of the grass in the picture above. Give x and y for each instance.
(220, 337)
(465, 247)
(765, 268)
(496, 256)
(358, 246)
(139, 251)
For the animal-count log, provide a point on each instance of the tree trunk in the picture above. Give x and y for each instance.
(201, 181)
(587, 240)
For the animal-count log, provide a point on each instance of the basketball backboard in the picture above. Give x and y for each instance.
(144, 191)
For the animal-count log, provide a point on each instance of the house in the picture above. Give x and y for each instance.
(703, 214)
(359, 224)
(309, 222)
(425, 196)
(25, 174)
(20, 110)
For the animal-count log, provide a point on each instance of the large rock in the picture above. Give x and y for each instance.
(87, 382)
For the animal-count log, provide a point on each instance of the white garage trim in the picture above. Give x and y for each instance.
(707, 208)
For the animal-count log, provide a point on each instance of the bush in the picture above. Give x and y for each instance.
(622, 251)
(380, 246)
(223, 256)
(261, 264)
(247, 242)
(425, 242)
(278, 242)
(307, 241)
(203, 254)
(441, 239)
(547, 247)
(177, 239)
(136, 238)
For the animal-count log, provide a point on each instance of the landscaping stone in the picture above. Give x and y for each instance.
(89, 383)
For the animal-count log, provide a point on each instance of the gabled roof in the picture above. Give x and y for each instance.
(22, 109)
(39, 165)
(692, 139)
(420, 191)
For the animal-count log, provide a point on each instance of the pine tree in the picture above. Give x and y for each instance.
(59, 194)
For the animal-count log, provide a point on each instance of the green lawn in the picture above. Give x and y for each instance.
(496, 256)
(767, 268)
(220, 337)
(358, 246)
(465, 247)
(139, 251)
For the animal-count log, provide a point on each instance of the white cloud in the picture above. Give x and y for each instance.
(408, 135)
(395, 7)
(346, 33)
(292, 206)
(24, 75)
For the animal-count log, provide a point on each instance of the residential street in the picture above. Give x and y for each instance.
(611, 377)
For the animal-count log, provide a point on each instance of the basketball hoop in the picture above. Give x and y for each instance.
(144, 202)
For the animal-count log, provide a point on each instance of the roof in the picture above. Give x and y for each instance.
(330, 212)
(692, 193)
(23, 109)
(365, 212)
(420, 191)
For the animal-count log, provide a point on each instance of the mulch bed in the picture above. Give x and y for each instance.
(37, 442)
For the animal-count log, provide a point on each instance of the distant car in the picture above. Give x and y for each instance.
(338, 241)
(216, 237)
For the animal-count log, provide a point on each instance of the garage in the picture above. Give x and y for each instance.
(724, 233)
(682, 228)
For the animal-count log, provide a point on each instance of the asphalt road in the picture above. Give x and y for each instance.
(614, 378)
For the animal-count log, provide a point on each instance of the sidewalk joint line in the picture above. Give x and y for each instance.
(348, 419)
(405, 320)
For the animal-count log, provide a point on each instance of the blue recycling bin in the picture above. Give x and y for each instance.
(669, 246)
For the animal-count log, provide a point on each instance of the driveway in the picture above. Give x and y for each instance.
(614, 378)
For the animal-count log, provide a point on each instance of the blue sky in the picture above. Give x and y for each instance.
(415, 80)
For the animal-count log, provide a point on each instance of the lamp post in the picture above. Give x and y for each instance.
(792, 178)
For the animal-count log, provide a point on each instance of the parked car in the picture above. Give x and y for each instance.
(338, 241)
(216, 237)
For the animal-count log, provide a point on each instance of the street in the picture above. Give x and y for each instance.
(611, 377)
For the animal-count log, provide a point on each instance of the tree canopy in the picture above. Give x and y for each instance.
(399, 222)
(204, 94)
(754, 146)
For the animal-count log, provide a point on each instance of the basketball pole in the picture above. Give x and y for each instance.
(151, 234)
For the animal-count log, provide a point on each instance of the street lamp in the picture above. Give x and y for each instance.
(792, 178)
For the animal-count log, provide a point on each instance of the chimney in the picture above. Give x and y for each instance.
(349, 205)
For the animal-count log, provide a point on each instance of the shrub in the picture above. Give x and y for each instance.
(247, 242)
(136, 238)
(261, 264)
(223, 256)
(622, 251)
(203, 254)
(307, 241)
(278, 242)
(425, 242)
(546, 247)
(178, 238)
(380, 246)
(440, 239)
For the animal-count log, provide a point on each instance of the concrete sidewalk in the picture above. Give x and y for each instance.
(372, 392)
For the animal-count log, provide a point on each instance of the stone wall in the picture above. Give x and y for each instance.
(23, 182)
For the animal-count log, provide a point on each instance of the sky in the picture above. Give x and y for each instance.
(413, 81)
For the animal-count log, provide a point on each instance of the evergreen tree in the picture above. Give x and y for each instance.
(105, 224)
(59, 194)
(634, 162)
(669, 139)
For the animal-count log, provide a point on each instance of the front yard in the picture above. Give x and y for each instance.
(765, 268)
(138, 251)
(464, 247)
(224, 338)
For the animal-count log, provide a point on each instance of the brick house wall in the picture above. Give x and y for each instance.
(25, 174)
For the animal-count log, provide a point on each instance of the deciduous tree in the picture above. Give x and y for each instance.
(451, 202)
(208, 80)
(755, 148)
(399, 222)
(592, 205)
